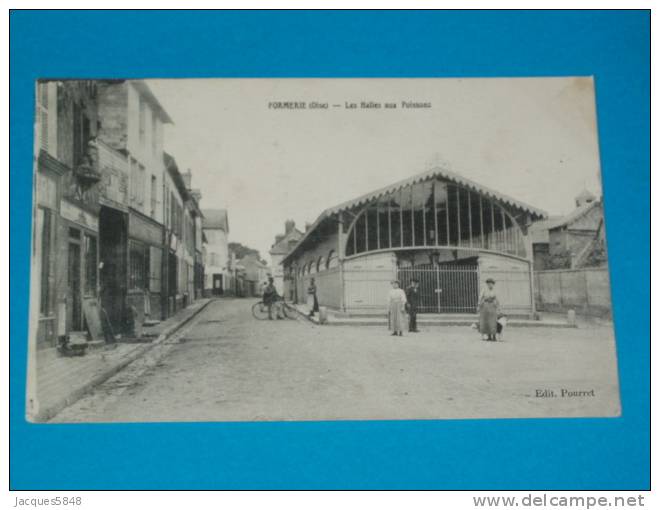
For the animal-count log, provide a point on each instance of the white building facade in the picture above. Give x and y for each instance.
(217, 280)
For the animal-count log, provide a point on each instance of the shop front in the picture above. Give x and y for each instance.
(46, 222)
(145, 259)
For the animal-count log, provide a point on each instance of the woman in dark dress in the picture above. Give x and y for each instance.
(488, 309)
(312, 300)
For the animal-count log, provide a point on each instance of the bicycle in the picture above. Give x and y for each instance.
(260, 310)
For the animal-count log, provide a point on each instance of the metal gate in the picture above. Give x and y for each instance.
(444, 289)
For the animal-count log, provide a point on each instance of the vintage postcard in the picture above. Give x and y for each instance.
(318, 249)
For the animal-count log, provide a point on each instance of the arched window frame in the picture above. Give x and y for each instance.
(320, 264)
(332, 261)
(454, 215)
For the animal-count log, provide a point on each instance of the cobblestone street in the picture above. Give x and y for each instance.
(227, 366)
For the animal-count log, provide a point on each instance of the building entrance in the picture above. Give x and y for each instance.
(113, 257)
(217, 285)
(444, 288)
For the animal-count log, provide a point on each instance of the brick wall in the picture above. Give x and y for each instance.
(587, 291)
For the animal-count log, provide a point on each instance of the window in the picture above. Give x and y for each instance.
(383, 223)
(395, 219)
(154, 196)
(407, 216)
(42, 115)
(464, 212)
(166, 212)
(189, 234)
(141, 184)
(138, 176)
(138, 261)
(91, 265)
(441, 213)
(81, 133)
(47, 261)
(372, 227)
(452, 212)
(142, 121)
(476, 220)
(360, 229)
(177, 216)
(320, 264)
(333, 261)
(154, 133)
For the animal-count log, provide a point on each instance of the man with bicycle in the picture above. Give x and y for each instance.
(272, 300)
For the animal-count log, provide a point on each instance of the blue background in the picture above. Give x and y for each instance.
(486, 454)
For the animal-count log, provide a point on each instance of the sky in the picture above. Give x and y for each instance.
(534, 139)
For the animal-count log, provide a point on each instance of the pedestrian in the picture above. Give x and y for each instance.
(397, 309)
(312, 300)
(488, 311)
(412, 297)
(271, 299)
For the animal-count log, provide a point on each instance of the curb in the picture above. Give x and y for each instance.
(46, 414)
(300, 314)
(359, 323)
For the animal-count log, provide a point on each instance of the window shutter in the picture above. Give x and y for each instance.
(51, 93)
(42, 115)
(44, 128)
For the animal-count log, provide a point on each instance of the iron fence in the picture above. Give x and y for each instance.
(444, 289)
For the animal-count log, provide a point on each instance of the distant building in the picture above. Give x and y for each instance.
(217, 264)
(198, 241)
(181, 211)
(254, 273)
(283, 244)
(540, 240)
(571, 241)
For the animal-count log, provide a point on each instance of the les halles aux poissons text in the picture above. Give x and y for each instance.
(347, 105)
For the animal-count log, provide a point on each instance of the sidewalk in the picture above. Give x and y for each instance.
(63, 380)
(432, 319)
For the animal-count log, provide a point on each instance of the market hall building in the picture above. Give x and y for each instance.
(439, 227)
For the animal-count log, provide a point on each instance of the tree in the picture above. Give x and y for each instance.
(241, 251)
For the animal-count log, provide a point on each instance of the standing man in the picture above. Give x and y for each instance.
(271, 298)
(412, 296)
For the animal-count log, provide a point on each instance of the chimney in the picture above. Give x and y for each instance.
(289, 225)
(307, 226)
(187, 178)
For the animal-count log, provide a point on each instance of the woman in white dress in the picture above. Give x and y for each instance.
(397, 309)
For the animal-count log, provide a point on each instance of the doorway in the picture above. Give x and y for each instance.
(113, 227)
(74, 311)
(218, 289)
(172, 280)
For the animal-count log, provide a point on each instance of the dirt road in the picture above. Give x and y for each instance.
(227, 366)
